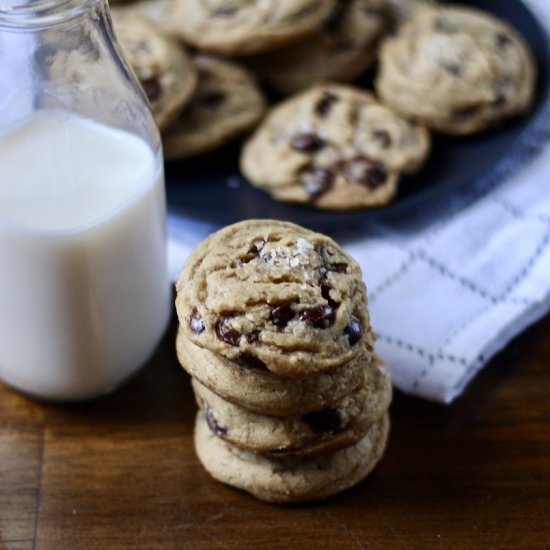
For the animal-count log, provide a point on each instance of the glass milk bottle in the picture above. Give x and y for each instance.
(84, 290)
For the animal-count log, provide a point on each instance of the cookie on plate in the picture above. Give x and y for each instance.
(290, 479)
(226, 103)
(159, 12)
(401, 10)
(334, 147)
(248, 384)
(315, 432)
(277, 294)
(162, 66)
(344, 47)
(475, 70)
(239, 27)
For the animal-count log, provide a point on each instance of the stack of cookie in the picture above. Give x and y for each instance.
(275, 332)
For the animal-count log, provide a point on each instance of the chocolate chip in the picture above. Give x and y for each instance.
(354, 331)
(307, 142)
(253, 336)
(382, 137)
(320, 316)
(215, 428)
(443, 26)
(196, 323)
(324, 105)
(466, 112)
(325, 290)
(151, 87)
(500, 99)
(282, 314)
(256, 247)
(342, 44)
(454, 68)
(317, 180)
(212, 100)
(364, 171)
(335, 15)
(503, 40)
(225, 11)
(252, 362)
(325, 293)
(226, 332)
(326, 420)
(337, 267)
(373, 10)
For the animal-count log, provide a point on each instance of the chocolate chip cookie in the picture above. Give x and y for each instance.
(401, 10)
(334, 147)
(226, 103)
(274, 293)
(474, 68)
(319, 431)
(290, 479)
(158, 12)
(162, 66)
(344, 47)
(247, 383)
(238, 27)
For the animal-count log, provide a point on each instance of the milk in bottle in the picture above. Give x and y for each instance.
(84, 291)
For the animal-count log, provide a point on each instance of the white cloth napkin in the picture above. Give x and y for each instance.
(446, 296)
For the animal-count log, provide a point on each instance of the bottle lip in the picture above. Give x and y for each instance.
(25, 14)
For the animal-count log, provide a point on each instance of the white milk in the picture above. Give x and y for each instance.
(84, 291)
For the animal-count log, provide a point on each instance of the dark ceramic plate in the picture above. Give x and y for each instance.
(210, 188)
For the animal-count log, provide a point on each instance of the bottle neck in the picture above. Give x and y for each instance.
(26, 15)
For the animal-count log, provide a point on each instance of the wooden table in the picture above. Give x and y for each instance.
(120, 472)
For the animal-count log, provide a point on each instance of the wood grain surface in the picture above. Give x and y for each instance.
(120, 472)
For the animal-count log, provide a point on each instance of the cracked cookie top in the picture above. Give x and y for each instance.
(474, 68)
(274, 296)
(226, 102)
(333, 146)
(162, 66)
(341, 49)
(238, 27)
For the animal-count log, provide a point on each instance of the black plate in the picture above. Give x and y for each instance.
(210, 188)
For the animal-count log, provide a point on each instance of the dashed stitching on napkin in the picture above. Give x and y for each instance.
(425, 370)
(527, 267)
(465, 324)
(422, 353)
(472, 368)
(446, 272)
(503, 299)
(518, 213)
(392, 278)
(466, 283)
(470, 285)
(439, 355)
